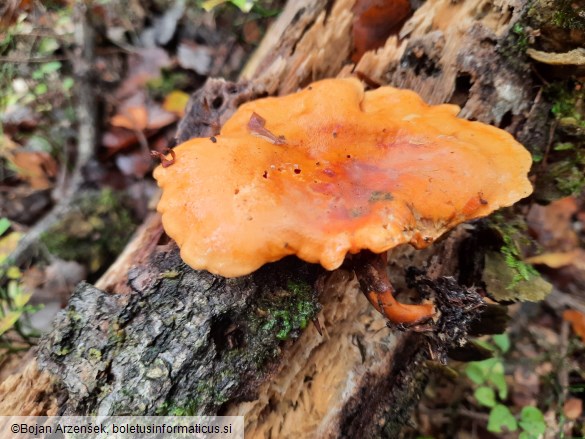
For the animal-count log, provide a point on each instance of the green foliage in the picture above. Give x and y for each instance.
(14, 307)
(522, 37)
(4, 225)
(244, 5)
(532, 422)
(522, 270)
(569, 15)
(566, 98)
(501, 420)
(492, 393)
(293, 313)
(93, 233)
(485, 396)
(515, 237)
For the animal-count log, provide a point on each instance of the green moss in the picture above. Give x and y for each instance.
(564, 173)
(94, 232)
(568, 15)
(568, 105)
(94, 355)
(205, 392)
(62, 351)
(514, 233)
(171, 274)
(290, 311)
(513, 47)
(73, 315)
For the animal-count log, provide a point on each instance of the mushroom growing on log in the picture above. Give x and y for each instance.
(335, 170)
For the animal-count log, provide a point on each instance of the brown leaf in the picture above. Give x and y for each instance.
(577, 321)
(257, 129)
(552, 224)
(555, 259)
(144, 65)
(119, 138)
(573, 408)
(159, 118)
(37, 167)
(132, 118)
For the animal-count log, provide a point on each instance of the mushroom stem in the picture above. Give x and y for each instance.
(370, 269)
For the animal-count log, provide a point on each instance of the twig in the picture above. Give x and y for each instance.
(82, 63)
(563, 370)
(44, 59)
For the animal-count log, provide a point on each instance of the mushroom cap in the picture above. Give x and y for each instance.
(356, 170)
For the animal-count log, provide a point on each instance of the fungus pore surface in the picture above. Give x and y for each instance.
(333, 170)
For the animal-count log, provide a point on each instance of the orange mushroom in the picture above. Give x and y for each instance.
(333, 170)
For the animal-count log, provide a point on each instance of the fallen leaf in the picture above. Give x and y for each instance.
(577, 321)
(119, 138)
(37, 167)
(573, 408)
(166, 26)
(18, 117)
(552, 224)
(18, 298)
(159, 118)
(554, 259)
(144, 65)
(196, 57)
(132, 118)
(175, 102)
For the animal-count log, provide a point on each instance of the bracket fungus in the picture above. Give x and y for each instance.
(335, 170)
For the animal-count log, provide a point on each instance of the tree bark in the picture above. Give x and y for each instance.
(156, 337)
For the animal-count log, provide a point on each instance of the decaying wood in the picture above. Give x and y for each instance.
(182, 341)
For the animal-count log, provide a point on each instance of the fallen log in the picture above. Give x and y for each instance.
(156, 337)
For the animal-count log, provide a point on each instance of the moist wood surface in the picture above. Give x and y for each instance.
(158, 337)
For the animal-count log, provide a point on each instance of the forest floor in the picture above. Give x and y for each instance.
(147, 58)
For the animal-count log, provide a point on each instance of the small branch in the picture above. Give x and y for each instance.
(82, 63)
(44, 59)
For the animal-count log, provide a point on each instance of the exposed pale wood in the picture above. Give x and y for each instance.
(360, 377)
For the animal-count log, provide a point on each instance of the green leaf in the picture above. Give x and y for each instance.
(497, 377)
(501, 418)
(48, 45)
(485, 344)
(244, 5)
(532, 421)
(38, 74)
(502, 341)
(41, 89)
(51, 67)
(485, 396)
(4, 225)
(564, 146)
(475, 372)
(67, 83)
(13, 273)
(210, 4)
